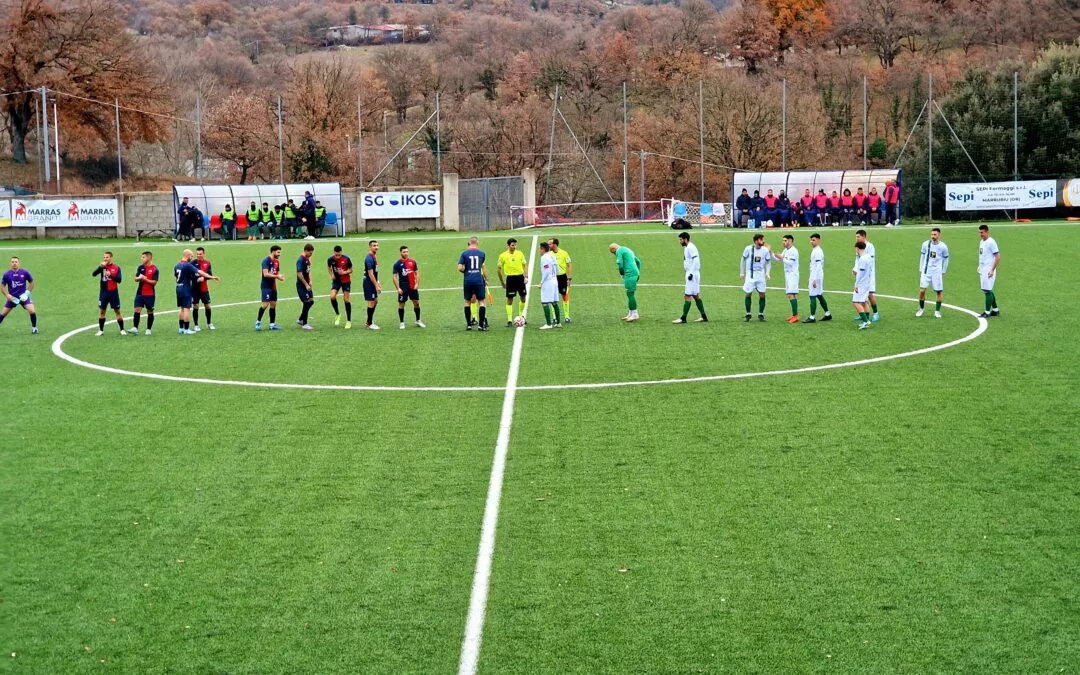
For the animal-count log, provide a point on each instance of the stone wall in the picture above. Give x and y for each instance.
(147, 210)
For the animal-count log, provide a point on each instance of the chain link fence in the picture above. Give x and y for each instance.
(484, 203)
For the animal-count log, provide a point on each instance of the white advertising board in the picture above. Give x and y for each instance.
(65, 213)
(390, 205)
(1021, 194)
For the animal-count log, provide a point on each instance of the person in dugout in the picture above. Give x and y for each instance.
(873, 203)
(770, 207)
(228, 223)
(783, 210)
(834, 208)
(806, 206)
(757, 209)
(742, 209)
(847, 206)
(821, 206)
(860, 206)
(254, 221)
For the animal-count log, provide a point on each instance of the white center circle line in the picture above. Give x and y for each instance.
(58, 351)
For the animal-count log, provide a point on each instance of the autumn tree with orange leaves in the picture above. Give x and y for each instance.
(80, 48)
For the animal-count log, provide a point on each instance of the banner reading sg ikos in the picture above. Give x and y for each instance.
(391, 205)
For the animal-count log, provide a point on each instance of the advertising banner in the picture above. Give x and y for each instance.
(65, 213)
(390, 205)
(1021, 194)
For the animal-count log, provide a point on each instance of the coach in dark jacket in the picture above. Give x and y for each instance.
(742, 209)
(757, 209)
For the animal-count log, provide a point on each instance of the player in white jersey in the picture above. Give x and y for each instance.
(989, 259)
(860, 235)
(817, 280)
(549, 286)
(864, 273)
(790, 257)
(933, 264)
(692, 276)
(755, 268)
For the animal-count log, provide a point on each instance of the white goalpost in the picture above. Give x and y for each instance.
(586, 213)
(715, 214)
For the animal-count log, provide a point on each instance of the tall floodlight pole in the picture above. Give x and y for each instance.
(119, 161)
(625, 157)
(1016, 132)
(865, 116)
(56, 143)
(642, 156)
(45, 133)
(359, 142)
(783, 125)
(198, 138)
(280, 145)
(701, 136)
(930, 153)
(438, 141)
(551, 144)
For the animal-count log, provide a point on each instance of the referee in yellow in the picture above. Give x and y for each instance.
(511, 269)
(565, 276)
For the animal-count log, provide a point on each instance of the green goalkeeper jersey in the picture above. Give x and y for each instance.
(627, 262)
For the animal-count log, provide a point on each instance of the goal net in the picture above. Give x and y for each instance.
(697, 214)
(585, 213)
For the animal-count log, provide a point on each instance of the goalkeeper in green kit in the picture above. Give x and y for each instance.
(630, 270)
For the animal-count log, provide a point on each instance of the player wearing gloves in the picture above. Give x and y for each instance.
(16, 285)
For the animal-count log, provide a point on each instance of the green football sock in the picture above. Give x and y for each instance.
(937, 305)
(993, 299)
(922, 302)
(794, 306)
(761, 304)
(988, 298)
(547, 314)
(558, 312)
(686, 308)
(747, 303)
(824, 305)
(873, 308)
(700, 307)
(631, 300)
(813, 305)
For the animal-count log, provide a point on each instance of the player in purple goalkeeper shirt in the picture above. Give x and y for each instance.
(17, 284)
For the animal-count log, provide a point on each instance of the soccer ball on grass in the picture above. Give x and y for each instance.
(519, 321)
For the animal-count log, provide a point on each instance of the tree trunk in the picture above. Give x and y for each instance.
(18, 145)
(20, 113)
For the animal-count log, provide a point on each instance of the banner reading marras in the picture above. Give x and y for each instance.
(65, 213)
(388, 205)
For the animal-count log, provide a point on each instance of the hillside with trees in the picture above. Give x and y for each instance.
(216, 70)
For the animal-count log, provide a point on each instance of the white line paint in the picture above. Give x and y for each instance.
(560, 231)
(474, 623)
(57, 349)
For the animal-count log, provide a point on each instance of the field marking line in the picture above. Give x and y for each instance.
(474, 622)
(357, 236)
(57, 349)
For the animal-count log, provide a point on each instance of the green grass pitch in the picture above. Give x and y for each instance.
(919, 514)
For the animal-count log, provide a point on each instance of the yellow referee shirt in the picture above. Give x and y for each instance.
(512, 264)
(563, 258)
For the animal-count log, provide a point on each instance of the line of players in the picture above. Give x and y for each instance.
(193, 272)
(756, 264)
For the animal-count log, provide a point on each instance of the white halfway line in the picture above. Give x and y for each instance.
(474, 624)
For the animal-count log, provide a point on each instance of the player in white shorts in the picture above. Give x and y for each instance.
(864, 272)
(549, 286)
(692, 275)
(933, 264)
(989, 259)
(755, 269)
(860, 235)
(817, 280)
(790, 257)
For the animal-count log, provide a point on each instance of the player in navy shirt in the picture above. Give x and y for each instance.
(109, 292)
(407, 282)
(371, 282)
(16, 285)
(200, 292)
(303, 285)
(271, 274)
(145, 293)
(187, 274)
(471, 265)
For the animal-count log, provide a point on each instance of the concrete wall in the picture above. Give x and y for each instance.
(146, 210)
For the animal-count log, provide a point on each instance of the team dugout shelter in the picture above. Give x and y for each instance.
(211, 200)
(795, 183)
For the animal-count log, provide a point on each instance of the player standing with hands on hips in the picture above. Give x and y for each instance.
(17, 284)
(933, 264)
(989, 259)
(692, 273)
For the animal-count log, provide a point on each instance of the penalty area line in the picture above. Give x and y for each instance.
(474, 622)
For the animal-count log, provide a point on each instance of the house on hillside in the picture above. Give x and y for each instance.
(387, 33)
